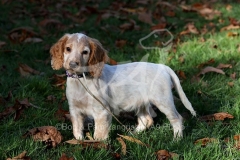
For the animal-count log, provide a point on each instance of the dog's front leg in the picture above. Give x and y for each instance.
(77, 123)
(102, 126)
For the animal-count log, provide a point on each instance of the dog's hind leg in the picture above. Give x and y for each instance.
(168, 108)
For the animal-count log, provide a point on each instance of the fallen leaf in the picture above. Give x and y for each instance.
(88, 143)
(61, 114)
(233, 76)
(32, 40)
(228, 7)
(112, 61)
(25, 70)
(233, 21)
(21, 156)
(232, 34)
(88, 135)
(19, 35)
(16, 109)
(59, 81)
(166, 155)
(116, 156)
(131, 139)
(145, 17)
(159, 26)
(2, 44)
(181, 74)
(206, 63)
(127, 26)
(209, 13)
(229, 27)
(231, 84)
(205, 141)
(189, 28)
(47, 134)
(211, 69)
(202, 9)
(47, 22)
(120, 43)
(123, 144)
(221, 65)
(65, 157)
(216, 116)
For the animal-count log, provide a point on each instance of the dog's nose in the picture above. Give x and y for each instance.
(73, 64)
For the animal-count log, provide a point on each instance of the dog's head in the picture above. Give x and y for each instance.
(78, 53)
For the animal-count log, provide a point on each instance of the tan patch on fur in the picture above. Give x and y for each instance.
(57, 53)
(98, 57)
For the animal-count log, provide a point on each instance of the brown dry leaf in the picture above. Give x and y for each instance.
(17, 109)
(47, 22)
(231, 84)
(47, 134)
(228, 7)
(127, 26)
(61, 114)
(123, 144)
(233, 76)
(233, 21)
(236, 137)
(129, 10)
(211, 69)
(181, 74)
(170, 13)
(216, 116)
(89, 143)
(221, 65)
(112, 61)
(159, 26)
(131, 139)
(59, 80)
(206, 63)
(51, 98)
(165, 155)
(2, 44)
(88, 135)
(32, 40)
(145, 17)
(65, 157)
(190, 28)
(229, 27)
(232, 34)
(203, 9)
(120, 43)
(21, 156)
(25, 70)
(205, 141)
(19, 35)
(209, 13)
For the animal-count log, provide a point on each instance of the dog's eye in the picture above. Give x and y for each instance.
(84, 52)
(68, 49)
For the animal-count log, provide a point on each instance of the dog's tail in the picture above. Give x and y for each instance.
(179, 89)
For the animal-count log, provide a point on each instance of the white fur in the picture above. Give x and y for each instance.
(128, 87)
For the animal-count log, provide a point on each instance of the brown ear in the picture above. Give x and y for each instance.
(56, 52)
(98, 57)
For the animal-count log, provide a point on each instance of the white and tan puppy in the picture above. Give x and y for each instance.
(127, 87)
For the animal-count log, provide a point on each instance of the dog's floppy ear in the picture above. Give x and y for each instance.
(56, 52)
(98, 57)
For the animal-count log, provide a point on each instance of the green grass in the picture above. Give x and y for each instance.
(217, 95)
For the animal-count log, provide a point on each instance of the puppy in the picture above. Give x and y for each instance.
(127, 87)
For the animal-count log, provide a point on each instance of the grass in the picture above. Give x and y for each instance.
(216, 96)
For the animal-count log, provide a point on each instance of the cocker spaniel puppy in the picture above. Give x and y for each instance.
(127, 87)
